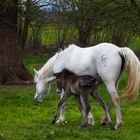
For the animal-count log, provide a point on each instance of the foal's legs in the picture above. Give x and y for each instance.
(81, 106)
(84, 99)
(62, 116)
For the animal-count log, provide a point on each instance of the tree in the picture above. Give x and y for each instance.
(26, 23)
(12, 70)
(81, 16)
(30, 14)
(122, 19)
(96, 21)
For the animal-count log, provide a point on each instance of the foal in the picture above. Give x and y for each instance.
(81, 87)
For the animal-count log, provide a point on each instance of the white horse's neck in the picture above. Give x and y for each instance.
(63, 59)
(46, 72)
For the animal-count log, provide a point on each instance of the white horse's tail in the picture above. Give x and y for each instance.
(133, 68)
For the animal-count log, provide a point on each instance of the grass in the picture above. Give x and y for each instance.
(23, 119)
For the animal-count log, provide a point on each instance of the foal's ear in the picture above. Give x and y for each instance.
(36, 72)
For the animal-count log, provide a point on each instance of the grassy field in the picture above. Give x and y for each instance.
(23, 119)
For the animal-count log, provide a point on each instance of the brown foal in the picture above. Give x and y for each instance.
(81, 87)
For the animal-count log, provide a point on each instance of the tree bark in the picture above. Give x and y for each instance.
(12, 70)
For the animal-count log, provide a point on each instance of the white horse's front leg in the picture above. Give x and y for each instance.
(62, 116)
(90, 119)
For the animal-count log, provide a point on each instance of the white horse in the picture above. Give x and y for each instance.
(104, 61)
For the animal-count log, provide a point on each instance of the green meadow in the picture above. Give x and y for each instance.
(21, 118)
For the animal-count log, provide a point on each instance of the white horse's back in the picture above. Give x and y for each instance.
(84, 61)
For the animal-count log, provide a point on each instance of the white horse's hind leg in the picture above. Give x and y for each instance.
(114, 95)
(62, 115)
(104, 119)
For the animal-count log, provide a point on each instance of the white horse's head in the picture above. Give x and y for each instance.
(41, 86)
(42, 79)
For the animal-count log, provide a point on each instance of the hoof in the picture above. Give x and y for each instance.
(53, 121)
(91, 121)
(111, 126)
(103, 121)
(83, 125)
(118, 125)
(60, 121)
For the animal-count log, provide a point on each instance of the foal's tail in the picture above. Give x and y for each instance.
(133, 68)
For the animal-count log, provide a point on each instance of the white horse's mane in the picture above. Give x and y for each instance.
(46, 70)
(69, 48)
(47, 67)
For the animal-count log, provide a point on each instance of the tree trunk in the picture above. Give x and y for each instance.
(12, 70)
(24, 34)
(26, 24)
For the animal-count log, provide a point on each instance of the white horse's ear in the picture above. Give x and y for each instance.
(36, 72)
